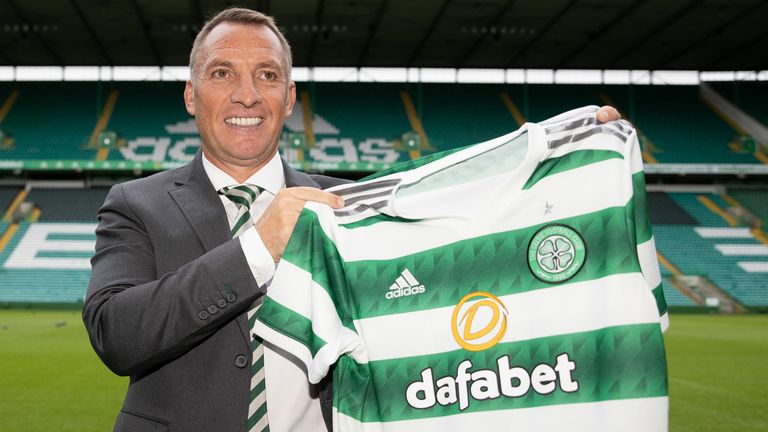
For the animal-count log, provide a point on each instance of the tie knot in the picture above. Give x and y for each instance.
(241, 195)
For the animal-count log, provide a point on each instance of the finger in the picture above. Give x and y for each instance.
(607, 113)
(316, 195)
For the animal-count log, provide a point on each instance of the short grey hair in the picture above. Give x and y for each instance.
(242, 16)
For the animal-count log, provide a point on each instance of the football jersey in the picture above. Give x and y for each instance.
(508, 285)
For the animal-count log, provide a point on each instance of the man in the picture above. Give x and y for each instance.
(171, 286)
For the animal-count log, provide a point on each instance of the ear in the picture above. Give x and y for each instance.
(290, 99)
(189, 98)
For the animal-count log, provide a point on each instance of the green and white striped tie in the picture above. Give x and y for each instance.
(243, 196)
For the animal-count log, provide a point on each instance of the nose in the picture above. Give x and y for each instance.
(246, 92)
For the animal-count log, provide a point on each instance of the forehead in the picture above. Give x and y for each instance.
(231, 41)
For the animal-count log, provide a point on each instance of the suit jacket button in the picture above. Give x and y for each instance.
(221, 303)
(241, 361)
(202, 315)
(212, 309)
(231, 297)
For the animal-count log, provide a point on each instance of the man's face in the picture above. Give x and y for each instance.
(240, 95)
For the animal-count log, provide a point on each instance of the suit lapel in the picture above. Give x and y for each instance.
(193, 192)
(297, 178)
(201, 205)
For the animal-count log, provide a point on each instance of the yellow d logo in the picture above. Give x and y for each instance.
(479, 324)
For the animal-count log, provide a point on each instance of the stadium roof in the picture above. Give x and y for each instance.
(552, 34)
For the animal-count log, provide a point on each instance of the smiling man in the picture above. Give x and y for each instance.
(184, 256)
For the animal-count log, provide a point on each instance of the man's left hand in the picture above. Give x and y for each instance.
(607, 113)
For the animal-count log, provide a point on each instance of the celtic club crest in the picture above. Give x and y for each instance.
(556, 253)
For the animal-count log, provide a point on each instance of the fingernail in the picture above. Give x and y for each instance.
(340, 201)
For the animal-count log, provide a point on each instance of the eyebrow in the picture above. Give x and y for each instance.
(229, 64)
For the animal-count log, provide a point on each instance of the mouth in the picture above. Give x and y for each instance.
(244, 121)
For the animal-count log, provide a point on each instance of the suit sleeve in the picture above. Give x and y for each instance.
(138, 319)
(307, 310)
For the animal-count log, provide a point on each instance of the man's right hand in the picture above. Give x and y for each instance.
(276, 224)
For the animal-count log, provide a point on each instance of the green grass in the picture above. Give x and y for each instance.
(50, 379)
(718, 380)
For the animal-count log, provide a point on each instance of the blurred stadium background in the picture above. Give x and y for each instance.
(91, 95)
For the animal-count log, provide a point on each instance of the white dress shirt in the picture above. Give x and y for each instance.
(292, 404)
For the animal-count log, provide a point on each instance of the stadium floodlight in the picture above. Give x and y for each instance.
(296, 139)
(411, 140)
(107, 139)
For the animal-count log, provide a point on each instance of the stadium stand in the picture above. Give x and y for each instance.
(679, 124)
(48, 261)
(457, 115)
(57, 120)
(749, 96)
(695, 236)
(153, 115)
(720, 254)
(692, 203)
(51, 120)
(7, 194)
(755, 201)
(68, 205)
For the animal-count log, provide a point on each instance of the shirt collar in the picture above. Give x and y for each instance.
(270, 177)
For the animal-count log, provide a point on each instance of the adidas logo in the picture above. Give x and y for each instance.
(405, 285)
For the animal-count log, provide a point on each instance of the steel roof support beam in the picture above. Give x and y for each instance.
(435, 20)
(683, 11)
(600, 33)
(318, 25)
(499, 16)
(91, 32)
(36, 35)
(372, 33)
(541, 33)
(145, 29)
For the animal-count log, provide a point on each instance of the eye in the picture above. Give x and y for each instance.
(269, 75)
(220, 73)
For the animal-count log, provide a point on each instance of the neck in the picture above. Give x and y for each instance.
(240, 173)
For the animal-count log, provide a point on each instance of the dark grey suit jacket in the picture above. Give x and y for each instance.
(167, 300)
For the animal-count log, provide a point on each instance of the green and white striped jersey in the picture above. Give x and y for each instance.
(510, 285)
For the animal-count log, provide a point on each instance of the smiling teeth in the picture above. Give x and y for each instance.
(244, 121)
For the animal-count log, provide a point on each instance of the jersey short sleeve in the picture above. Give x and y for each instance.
(306, 313)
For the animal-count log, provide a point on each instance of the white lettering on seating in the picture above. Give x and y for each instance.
(334, 150)
(158, 147)
(185, 149)
(378, 150)
(36, 240)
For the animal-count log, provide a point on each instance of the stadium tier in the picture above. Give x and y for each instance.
(7, 194)
(47, 261)
(756, 201)
(680, 126)
(49, 120)
(708, 244)
(46, 258)
(68, 205)
(355, 126)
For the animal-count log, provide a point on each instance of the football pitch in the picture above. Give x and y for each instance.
(50, 379)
